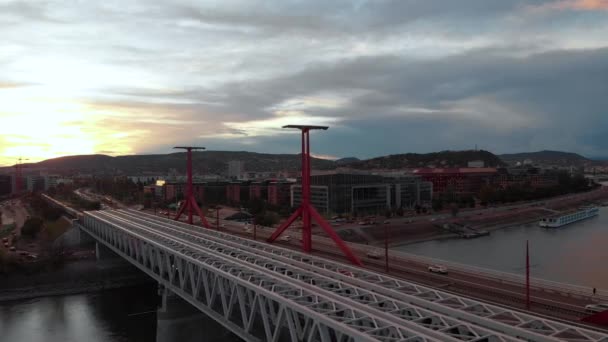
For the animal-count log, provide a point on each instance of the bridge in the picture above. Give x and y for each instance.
(263, 292)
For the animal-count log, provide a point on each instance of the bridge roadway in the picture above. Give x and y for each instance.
(554, 300)
(233, 279)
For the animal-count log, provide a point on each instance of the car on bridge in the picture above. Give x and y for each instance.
(438, 269)
(373, 255)
(596, 308)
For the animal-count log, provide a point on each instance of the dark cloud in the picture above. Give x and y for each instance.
(389, 76)
(504, 102)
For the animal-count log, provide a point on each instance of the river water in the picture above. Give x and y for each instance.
(123, 315)
(575, 254)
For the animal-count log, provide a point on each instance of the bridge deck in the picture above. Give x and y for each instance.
(390, 308)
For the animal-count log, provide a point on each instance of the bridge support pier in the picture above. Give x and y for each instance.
(102, 252)
(177, 320)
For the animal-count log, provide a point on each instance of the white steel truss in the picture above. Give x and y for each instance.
(400, 313)
(510, 322)
(253, 304)
(425, 313)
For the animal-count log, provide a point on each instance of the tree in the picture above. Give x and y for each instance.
(257, 206)
(487, 194)
(32, 227)
(454, 209)
(388, 213)
(437, 204)
(52, 213)
(400, 212)
(268, 219)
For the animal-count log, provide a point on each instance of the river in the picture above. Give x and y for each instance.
(575, 254)
(123, 315)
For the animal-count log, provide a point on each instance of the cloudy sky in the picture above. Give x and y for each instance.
(125, 77)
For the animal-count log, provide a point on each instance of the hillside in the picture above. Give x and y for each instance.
(214, 162)
(557, 158)
(436, 159)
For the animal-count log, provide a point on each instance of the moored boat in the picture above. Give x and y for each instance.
(562, 220)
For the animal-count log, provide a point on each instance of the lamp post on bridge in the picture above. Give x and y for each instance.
(306, 211)
(527, 276)
(190, 202)
(217, 217)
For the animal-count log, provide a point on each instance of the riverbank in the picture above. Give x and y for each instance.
(488, 219)
(82, 276)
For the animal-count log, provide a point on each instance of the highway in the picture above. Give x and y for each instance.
(384, 289)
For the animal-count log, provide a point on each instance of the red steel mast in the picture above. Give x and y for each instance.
(306, 210)
(190, 201)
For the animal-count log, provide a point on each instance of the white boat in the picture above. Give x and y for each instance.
(562, 220)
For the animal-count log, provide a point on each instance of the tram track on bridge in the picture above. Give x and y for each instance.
(194, 232)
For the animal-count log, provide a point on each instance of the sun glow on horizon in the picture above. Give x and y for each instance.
(37, 127)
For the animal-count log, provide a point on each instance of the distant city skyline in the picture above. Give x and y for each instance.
(388, 77)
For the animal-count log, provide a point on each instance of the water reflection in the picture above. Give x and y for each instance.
(99, 317)
(111, 316)
(574, 254)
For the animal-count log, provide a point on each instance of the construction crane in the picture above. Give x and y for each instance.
(19, 174)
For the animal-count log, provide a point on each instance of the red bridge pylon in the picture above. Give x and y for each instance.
(306, 211)
(190, 202)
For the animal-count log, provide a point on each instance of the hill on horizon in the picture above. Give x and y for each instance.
(216, 162)
(443, 159)
(548, 157)
(212, 162)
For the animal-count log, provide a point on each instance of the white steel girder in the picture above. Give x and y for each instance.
(399, 312)
(254, 305)
(511, 322)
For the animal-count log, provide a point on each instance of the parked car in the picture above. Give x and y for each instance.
(595, 308)
(386, 222)
(438, 269)
(285, 238)
(12, 249)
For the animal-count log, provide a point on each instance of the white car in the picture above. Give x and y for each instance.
(595, 308)
(438, 269)
(373, 255)
(285, 238)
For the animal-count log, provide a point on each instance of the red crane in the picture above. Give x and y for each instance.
(306, 210)
(190, 201)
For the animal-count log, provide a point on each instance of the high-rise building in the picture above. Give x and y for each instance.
(364, 193)
(35, 183)
(235, 168)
